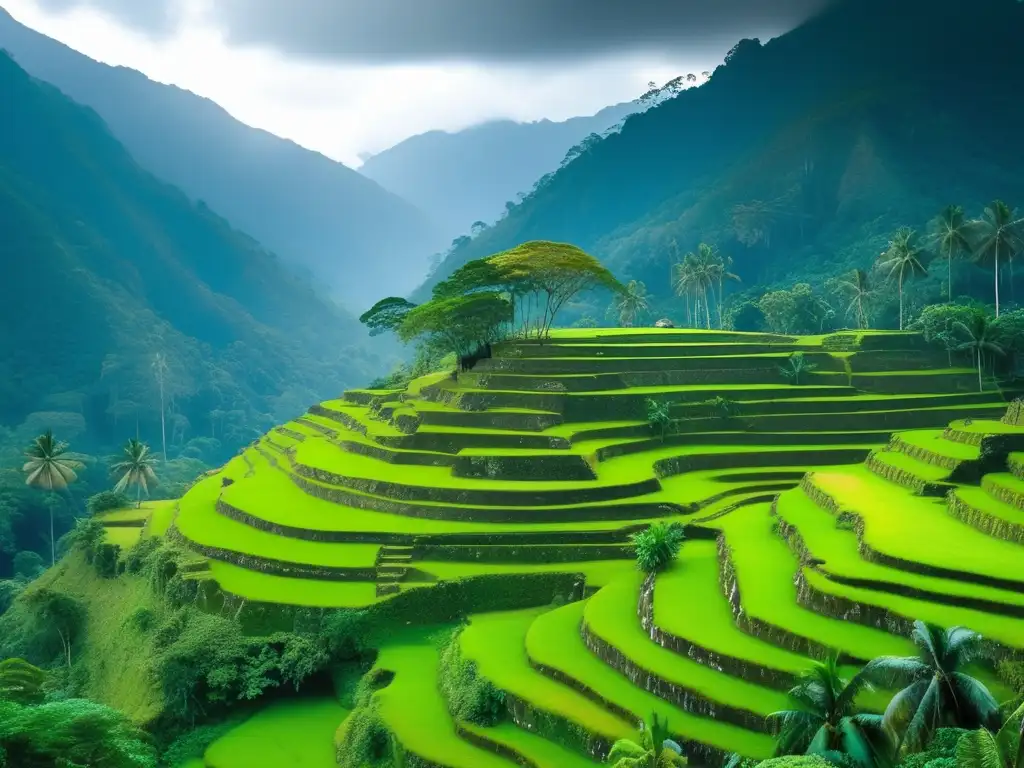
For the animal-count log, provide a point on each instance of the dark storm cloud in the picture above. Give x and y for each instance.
(499, 30)
(155, 17)
(385, 31)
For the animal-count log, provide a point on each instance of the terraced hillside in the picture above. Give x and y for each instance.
(815, 521)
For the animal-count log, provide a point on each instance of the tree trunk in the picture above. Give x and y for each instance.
(53, 543)
(720, 292)
(707, 308)
(977, 355)
(997, 276)
(163, 425)
(901, 300)
(949, 275)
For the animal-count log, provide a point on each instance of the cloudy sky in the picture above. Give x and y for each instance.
(347, 77)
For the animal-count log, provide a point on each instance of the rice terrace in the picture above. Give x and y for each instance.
(821, 514)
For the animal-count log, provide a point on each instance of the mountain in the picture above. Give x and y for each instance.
(799, 157)
(315, 212)
(467, 176)
(107, 267)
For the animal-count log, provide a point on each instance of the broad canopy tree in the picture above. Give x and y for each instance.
(519, 291)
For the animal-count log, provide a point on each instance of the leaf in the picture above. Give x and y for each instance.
(978, 749)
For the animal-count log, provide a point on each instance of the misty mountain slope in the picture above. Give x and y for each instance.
(813, 138)
(315, 212)
(105, 266)
(466, 176)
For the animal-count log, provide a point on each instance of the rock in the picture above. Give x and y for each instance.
(664, 323)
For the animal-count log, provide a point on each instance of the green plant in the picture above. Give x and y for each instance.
(659, 417)
(654, 750)
(935, 689)
(657, 546)
(631, 303)
(796, 367)
(104, 501)
(979, 337)
(1003, 749)
(826, 722)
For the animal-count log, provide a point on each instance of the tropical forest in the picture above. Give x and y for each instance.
(706, 448)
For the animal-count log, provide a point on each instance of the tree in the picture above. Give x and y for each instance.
(136, 468)
(459, 322)
(696, 276)
(935, 690)
(657, 546)
(159, 366)
(60, 612)
(659, 416)
(557, 272)
(979, 336)
(654, 750)
(386, 315)
(903, 260)
(51, 468)
(950, 236)
(857, 286)
(796, 366)
(21, 682)
(997, 235)
(825, 721)
(631, 303)
(1003, 749)
(720, 267)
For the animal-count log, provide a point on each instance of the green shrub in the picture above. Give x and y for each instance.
(941, 751)
(797, 761)
(104, 501)
(193, 743)
(657, 547)
(206, 663)
(470, 697)
(141, 618)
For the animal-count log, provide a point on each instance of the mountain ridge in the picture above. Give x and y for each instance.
(99, 245)
(947, 66)
(316, 213)
(461, 177)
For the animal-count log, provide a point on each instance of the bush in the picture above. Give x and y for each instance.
(1012, 673)
(658, 417)
(657, 546)
(28, 565)
(141, 618)
(72, 732)
(941, 751)
(470, 697)
(104, 501)
(206, 663)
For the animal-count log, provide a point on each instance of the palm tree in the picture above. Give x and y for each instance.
(719, 271)
(695, 274)
(1004, 749)
(858, 286)
(51, 468)
(654, 750)
(631, 302)
(949, 235)
(826, 722)
(135, 469)
(997, 234)
(159, 366)
(979, 337)
(935, 691)
(904, 260)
